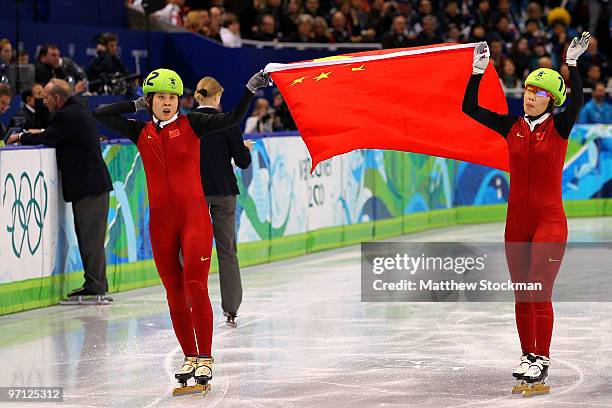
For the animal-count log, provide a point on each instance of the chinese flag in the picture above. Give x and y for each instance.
(402, 99)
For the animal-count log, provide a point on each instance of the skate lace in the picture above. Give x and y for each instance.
(523, 366)
(204, 370)
(534, 369)
(188, 365)
(204, 367)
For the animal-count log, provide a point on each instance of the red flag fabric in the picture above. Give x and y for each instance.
(402, 99)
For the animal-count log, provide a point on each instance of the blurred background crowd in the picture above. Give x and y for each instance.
(522, 36)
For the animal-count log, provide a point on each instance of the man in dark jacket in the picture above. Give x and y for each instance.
(85, 178)
(51, 64)
(220, 189)
(48, 64)
(33, 114)
(399, 36)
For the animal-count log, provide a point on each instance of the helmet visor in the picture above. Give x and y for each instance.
(537, 91)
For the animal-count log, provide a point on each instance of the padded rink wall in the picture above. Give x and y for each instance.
(283, 210)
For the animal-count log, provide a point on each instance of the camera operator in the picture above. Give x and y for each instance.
(106, 63)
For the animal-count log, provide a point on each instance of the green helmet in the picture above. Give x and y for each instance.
(163, 80)
(549, 80)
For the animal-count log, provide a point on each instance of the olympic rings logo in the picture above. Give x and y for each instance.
(25, 207)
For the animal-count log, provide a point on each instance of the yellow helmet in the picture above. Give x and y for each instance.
(549, 80)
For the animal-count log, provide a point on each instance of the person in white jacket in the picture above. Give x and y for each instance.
(230, 32)
(171, 13)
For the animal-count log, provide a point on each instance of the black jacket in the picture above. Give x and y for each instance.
(68, 68)
(25, 119)
(393, 40)
(216, 154)
(73, 133)
(44, 72)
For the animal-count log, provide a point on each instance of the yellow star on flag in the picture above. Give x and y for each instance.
(323, 75)
(299, 80)
(333, 58)
(361, 68)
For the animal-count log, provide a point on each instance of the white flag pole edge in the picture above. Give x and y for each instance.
(275, 67)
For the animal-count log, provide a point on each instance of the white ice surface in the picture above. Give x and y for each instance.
(305, 339)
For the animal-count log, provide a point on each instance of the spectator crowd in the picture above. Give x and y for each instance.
(522, 35)
(102, 75)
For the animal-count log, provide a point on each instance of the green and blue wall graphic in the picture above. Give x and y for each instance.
(283, 210)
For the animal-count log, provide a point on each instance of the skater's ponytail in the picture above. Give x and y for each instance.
(208, 87)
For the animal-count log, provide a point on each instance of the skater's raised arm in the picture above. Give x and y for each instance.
(110, 117)
(493, 120)
(565, 120)
(203, 122)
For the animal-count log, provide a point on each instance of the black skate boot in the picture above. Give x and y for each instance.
(186, 372)
(203, 372)
(536, 376)
(518, 374)
(231, 320)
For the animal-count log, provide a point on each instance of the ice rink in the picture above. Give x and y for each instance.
(305, 339)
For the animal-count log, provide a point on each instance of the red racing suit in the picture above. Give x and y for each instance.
(179, 216)
(536, 225)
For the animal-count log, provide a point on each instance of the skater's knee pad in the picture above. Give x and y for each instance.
(196, 273)
(542, 307)
(176, 299)
(197, 287)
(543, 295)
(522, 307)
(172, 281)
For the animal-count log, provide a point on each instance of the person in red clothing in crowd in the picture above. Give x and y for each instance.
(169, 145)
(536, 225)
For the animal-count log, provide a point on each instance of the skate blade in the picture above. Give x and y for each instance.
(518, 389)
(538, 389)
(85, 300)
(233, 325)
(192, 389)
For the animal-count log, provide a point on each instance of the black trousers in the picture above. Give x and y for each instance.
(223, 215)
(90, 219)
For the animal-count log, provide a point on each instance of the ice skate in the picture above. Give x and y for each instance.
(83, 296)
(203, 372)
(185, 373)
(535, 377)
(518, 374)
(231, 320)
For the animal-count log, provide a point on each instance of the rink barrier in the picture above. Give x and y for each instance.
(41, 292)
(387, 194)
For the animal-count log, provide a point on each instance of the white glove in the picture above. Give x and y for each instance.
(141, 103)
(481, 58)
(259, 80)
(576, 48)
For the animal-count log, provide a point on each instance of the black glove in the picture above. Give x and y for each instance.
(259, 80)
